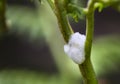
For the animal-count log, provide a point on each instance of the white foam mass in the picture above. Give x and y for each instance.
(75, 48)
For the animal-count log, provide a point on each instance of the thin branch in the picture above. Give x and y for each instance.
(52, 5)
(64, 26)
(86, 68)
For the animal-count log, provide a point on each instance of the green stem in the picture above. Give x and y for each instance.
(86, 68)
(64, 26)
(3, 27)
(87, 72)
(51, 4)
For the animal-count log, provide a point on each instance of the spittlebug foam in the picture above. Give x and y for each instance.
(75, 48)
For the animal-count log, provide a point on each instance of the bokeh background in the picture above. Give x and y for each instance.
(32, 51)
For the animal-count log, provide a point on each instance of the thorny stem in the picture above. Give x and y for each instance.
(3, 28)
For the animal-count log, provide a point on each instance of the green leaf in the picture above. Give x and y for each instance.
(99, 5)
(75, 11)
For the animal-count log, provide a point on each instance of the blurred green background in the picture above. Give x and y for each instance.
(32, 51)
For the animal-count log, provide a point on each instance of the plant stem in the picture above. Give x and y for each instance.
(3, 27)
(64, 26)
(86, 68)
(87, 72)
(51, 4)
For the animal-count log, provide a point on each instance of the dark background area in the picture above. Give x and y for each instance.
(16, 52)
